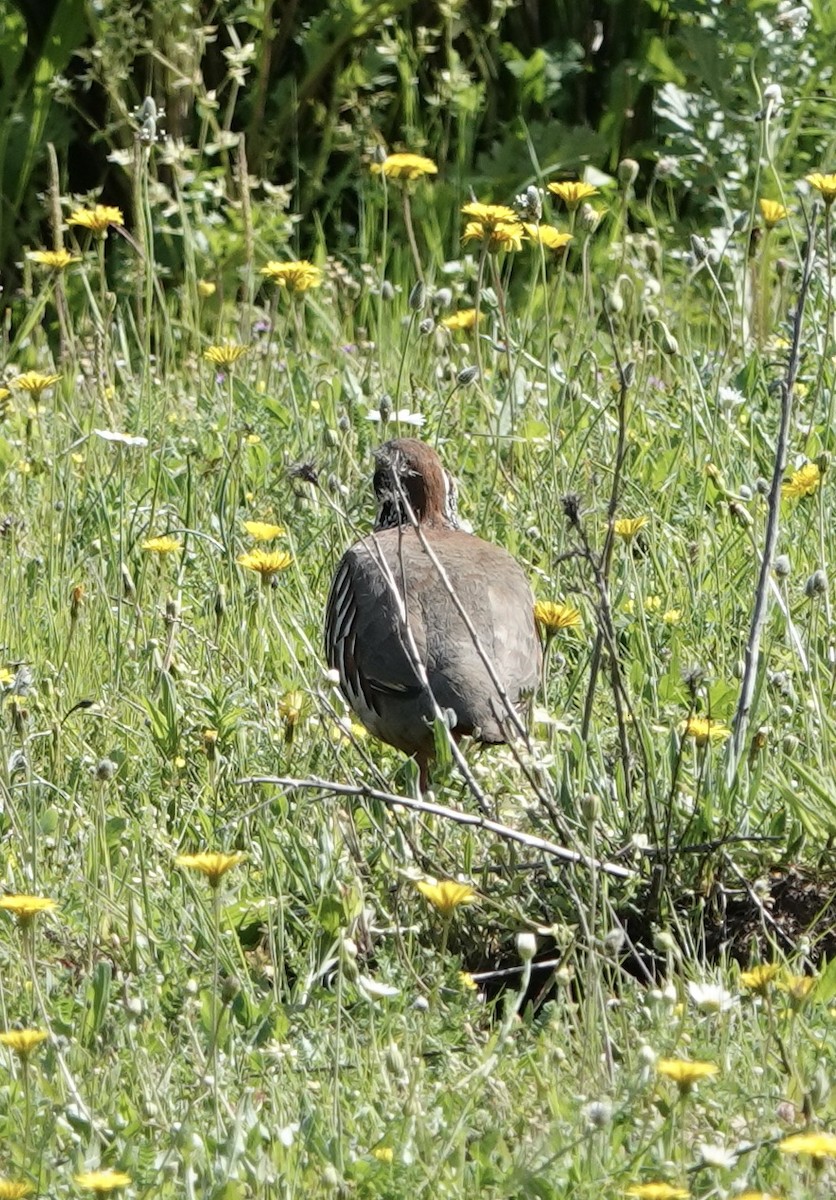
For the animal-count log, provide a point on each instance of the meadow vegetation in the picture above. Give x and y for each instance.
(231, 964)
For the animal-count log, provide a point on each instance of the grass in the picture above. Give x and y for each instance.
(300, 1023)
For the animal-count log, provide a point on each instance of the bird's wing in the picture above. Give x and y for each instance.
(364, 629)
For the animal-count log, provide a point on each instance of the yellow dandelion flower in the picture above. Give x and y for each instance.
(343, 732)
(657, 1191)
(464, 319)
(14, 1189)
(447, 895)
(102, 1181)
(7, 677)
(704, 730)
(26, 908)
(572, 192)
(490, 214)
(209, 739)
(817, 1145)
(263, 531)
(468, 982)
(206, 288)
(226, 355)
(497, 237)
(798, 987)
(384, 1154)
(803, 482)
(213, 865)
(23, 1041)
(161, 545)
(56, 260)
(772, 212)
(685, 1073)
(405, 166)
(826, 184)
(548, 236)
(551, 616)
(33, 382)
(291, 706)
(98, 220)
(627, 527)
(760, 977)
(757, 1196)
(265, 562)
(296, 276)
(672, 616)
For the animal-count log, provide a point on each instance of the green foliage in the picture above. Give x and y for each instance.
(298, 1025)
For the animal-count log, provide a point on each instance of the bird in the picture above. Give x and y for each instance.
(395, 632)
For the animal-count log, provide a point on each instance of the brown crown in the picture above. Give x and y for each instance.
(410, 479)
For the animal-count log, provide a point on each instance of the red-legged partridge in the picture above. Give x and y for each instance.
(394, 630)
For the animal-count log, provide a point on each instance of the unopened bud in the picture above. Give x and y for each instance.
(669, 343)
(230, 988)
(417, 296)
(782, 566)
(526, 946)
(741, 514)
(613, 301)
(628, 172)
(699, 247)
(590, 807)
(128, 586)
(106, 768)
(466, 376)
(426, 326)
(816, 585)
(773, 95)
(589, 218)
(220, 602)
(76, 601)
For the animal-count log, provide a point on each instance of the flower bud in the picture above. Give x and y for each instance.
(426, 326)
(76, 601)
(741, 514)
(670, 345)
(417, 296)
(782, 567)
(220, 602)
(699, 247)
(106, 768)
(466, 376)
(628, 171)
(590, 807)
(526, 946)
(816, 585)
(589, 218)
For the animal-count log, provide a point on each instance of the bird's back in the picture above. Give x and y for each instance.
(367, 639)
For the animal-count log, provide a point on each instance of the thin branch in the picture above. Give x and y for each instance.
(437, 810)
(737, 741)
(605, 564)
